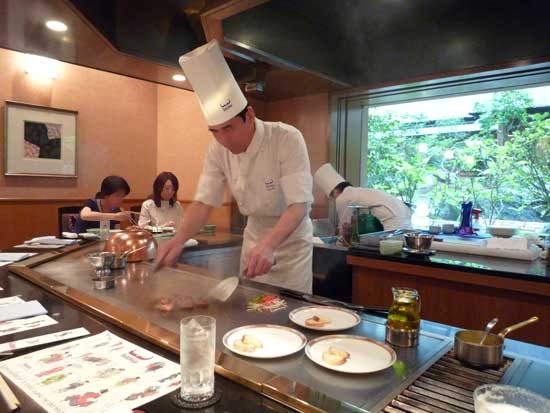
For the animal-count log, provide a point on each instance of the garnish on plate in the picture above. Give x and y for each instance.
(266, 303)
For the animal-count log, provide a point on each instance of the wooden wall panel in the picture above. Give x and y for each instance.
(22, 219)
(459, 303)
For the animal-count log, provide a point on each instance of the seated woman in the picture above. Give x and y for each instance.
(105, 206)
(163, 209)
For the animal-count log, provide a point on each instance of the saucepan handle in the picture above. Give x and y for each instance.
(514, 327)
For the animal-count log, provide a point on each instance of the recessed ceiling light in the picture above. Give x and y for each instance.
(56, 26)
(179, 78)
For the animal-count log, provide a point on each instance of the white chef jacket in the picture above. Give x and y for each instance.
(156, 216)
(394, 215)
(273, 173)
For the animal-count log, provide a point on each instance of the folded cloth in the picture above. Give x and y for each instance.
(514, 243)
(191, 242)
(50, 240)
(317, 240)
(21, 310)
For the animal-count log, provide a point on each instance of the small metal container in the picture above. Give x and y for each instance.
(104, 283)
(489, 354)
(418, 242)
(102, 262)
(119, 263)
(402, 338)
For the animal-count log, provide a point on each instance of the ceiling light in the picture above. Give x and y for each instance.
(56, 26)
(41, 66)
(179, 78)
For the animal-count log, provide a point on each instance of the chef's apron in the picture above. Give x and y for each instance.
(293, 258)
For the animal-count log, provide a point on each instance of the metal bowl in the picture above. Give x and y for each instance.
(419, 242)
(130, 240)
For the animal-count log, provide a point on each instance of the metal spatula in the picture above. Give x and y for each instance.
(224, 289)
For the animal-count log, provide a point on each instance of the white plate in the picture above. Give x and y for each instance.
(278, 341)
(366, 355)
(341, 319)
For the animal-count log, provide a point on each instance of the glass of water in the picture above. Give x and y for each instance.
(499, 398)
(197, 353)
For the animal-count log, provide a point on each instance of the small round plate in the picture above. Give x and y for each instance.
(365, 355)
(277, 341)
(418, 252)
(340, 318)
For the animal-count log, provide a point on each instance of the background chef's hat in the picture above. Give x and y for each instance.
(327, 178)
(219, 94)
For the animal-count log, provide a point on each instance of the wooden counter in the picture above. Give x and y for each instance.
(466, 299)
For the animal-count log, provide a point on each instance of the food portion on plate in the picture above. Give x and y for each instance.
(324, 318)
(317, 321)
(266, 303)
(335, 356)
(180, 302)
(264, 341)
(248, 344)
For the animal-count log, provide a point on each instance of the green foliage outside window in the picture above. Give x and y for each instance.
(504, 168)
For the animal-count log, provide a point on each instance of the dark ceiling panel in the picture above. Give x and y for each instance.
(161, 32)
(365, 42)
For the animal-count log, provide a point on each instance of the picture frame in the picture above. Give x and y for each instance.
(40, 141)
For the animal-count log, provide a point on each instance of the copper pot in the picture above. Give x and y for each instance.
(132, 239)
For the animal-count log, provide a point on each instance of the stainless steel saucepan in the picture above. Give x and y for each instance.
(489, 354)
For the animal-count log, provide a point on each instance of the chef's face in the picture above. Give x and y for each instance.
(167, 191)
(235, 134)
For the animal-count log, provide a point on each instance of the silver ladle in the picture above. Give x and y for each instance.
(488, 328)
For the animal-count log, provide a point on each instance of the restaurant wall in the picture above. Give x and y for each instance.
(310, 114)
(123, 124)
(131, 128)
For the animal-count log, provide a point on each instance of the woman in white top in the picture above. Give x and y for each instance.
(163, 209)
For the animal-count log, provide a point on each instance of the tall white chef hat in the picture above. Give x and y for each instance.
(327, 178)
(219, 94)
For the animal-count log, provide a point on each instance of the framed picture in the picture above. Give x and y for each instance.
(39, 141)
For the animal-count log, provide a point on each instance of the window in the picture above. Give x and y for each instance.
(483, 138)
(491, 148)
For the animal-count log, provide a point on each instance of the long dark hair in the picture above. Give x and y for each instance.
(112, 184)
(160, 180)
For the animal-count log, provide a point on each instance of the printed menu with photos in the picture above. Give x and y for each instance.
(93, 374)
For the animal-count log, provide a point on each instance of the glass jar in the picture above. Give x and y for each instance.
(404, 317)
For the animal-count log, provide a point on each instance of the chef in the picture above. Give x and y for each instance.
(391, 211)
(267, 169)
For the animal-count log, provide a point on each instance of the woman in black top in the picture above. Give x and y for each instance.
(105, 206)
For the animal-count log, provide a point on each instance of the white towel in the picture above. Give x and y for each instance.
(517, 244)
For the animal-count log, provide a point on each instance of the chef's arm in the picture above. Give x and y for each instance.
(288, 222)
(261, 258)
(195, 217)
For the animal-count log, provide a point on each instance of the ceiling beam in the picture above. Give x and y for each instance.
(212, 18)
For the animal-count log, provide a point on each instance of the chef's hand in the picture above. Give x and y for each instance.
(259, 260)
(168, 254)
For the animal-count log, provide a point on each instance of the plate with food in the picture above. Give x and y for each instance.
(350, 354)
(323, 318)
(264, 341)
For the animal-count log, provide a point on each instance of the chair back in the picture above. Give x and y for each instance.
(66, 218)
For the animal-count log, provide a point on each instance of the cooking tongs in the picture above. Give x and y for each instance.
(377, 311)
